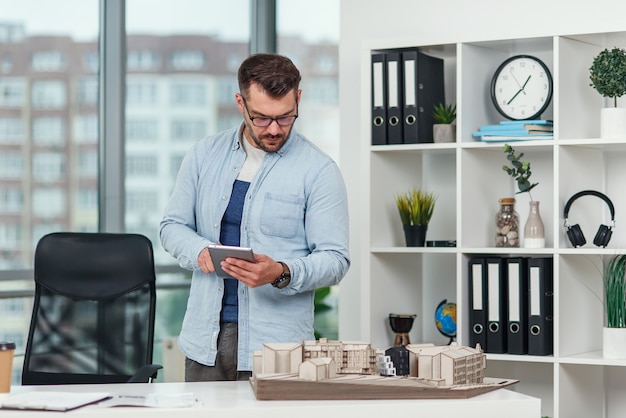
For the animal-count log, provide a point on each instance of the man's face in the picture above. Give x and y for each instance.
(258, 106)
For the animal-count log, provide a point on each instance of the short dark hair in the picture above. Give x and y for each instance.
(275, 74)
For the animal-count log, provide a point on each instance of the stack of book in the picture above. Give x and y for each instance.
(516, 130)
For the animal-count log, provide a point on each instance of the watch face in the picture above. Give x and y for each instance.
(521, 87)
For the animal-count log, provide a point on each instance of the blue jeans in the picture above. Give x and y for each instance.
(225, 363)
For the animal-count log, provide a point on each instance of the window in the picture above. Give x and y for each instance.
(188, 130)
(48, 61)
(11, 165)
(11, 200)
(141, 165)
(188, 94)
(12, 92)
(11, 130)
(49, 94)
(142, 60)
(48, 166)
(141, 93)
(187, 60)
(86, 129)
(88, 164)
(49, 203)
(138, 130)
(87, 91)
(48, 130)
(87, 199)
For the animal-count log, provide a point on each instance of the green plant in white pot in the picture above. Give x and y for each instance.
(416, 208)
(608, 77)
(614, 333)
(443, 129)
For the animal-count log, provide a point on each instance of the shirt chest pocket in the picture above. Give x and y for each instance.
(282, 215)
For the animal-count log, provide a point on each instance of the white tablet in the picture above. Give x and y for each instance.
(220, 252)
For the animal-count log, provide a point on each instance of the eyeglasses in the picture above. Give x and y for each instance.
(264, 121)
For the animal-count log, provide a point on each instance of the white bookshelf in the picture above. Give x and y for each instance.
(467, 177)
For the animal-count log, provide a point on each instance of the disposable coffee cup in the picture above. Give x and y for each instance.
(6, 365)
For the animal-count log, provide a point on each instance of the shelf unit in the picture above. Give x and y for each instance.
(468, 180)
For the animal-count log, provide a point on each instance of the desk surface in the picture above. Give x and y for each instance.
(237, 400)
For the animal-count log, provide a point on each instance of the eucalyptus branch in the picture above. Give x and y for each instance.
(519, 170)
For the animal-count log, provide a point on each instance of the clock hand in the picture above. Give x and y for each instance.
(516, 94)
(526, 82)
(514, 78)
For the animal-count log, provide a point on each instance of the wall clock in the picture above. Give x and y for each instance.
(521, 87)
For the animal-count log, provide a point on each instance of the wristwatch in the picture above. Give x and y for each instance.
(284, 279)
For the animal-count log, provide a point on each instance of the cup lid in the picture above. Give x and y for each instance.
(7, 346)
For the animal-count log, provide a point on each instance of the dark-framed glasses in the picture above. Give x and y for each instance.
(265, 121)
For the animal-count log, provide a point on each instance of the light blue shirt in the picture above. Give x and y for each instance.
(295, 211)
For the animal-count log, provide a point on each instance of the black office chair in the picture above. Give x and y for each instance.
(93, 313)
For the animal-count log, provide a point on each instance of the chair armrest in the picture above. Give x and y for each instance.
(145, 374)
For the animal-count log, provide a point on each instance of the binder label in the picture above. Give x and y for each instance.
(514, 297)
(410, 98)
(535, 290)
(493, 297)
(378, 84)
(392, 73)
(477, 287)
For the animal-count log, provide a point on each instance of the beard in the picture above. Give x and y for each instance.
(268, 142)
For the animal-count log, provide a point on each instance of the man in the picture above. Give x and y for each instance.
(265, 186)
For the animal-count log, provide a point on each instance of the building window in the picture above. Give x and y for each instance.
(49, 94)
(11, 200)
(88, 164)
(48, 131)
(11, 130)
(49, 203)
(188, 130)
(141, 165)
(10, 234)
(141, 92)
(188, 94)
(86, 129)
(142, 61)
(11, 164)
(87, 91)
(48, 166)
(187, 60)
(91, 61)
(87, 198)
(48, 61)
(141, 129)
(141, 201)
(11, 92)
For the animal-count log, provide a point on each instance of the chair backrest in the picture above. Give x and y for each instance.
(94, 308)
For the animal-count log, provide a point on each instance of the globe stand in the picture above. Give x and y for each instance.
(401, 324)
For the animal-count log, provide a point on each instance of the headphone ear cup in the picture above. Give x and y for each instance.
(576, 236)
(603, 236)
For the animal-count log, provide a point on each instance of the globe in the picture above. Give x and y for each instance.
(445, 319)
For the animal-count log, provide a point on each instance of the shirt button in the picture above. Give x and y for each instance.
(215, 225)
(224, 198)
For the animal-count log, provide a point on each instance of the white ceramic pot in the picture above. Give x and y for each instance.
(613, 122)
(614, 343)
(444, 132)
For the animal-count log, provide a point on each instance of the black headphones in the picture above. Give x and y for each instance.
(575, 234)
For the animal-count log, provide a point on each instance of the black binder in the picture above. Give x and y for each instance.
(423, 77)
(477, 302)
(394, 98)
(540, 306)
(379, 98)
(517, 323)
(496, 306)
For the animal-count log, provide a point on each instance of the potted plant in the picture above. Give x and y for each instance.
(415, 207)
(534, 234)
(614, 333)
(608, 77)
(443, 129)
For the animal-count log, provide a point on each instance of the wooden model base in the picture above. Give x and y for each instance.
(348, 387)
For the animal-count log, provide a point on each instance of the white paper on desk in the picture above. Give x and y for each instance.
(52, 401)
(153, 400)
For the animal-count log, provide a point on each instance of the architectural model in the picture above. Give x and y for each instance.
(326, 369)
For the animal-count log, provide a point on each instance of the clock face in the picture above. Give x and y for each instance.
(521, 87)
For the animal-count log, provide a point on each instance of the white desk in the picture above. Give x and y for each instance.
(237, 400)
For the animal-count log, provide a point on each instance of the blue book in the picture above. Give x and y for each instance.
(527, 121)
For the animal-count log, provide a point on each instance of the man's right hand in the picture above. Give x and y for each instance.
(205, 262)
